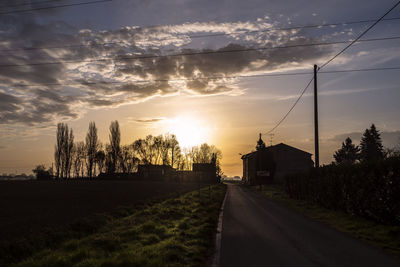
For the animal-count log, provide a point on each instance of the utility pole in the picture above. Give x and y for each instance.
(316, 118)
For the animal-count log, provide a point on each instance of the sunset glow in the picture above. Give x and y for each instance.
(189, 130)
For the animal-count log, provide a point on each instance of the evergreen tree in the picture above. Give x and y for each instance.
(371, 145)
(348, 154)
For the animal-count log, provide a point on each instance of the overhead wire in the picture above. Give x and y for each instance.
(53, 7)
(330, 60)
(361, 35)
(204, 78)
(291, 108)
(30, 3)
(195, 36)
(123, 58)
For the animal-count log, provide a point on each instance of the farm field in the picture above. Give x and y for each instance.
(178, 231)
(27, 207)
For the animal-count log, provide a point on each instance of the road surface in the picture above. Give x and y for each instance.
(259, 232)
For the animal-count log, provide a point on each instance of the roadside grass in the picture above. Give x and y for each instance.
(176, 232)
(386, 237)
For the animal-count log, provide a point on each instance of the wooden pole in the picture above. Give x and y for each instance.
(316, 118)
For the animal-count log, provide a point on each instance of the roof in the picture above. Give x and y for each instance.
(155, 166)
(275, 148)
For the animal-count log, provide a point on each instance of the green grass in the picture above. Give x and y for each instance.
(386, 237)
(176, 232)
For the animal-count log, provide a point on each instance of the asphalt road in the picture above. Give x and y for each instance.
(259, 232)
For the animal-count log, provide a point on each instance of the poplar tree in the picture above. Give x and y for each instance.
(91, 147)
(115, 147)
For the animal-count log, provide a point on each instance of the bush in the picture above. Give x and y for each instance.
(369, 189)
(42, 174)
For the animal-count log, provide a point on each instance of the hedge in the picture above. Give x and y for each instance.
(370, 190)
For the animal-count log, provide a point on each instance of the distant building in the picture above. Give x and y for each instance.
(155, 171)
(201, 172)
(206, 171)
(268, 164)
(204, 167)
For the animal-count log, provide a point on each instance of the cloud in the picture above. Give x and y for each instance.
(149, 120)
(99, 69)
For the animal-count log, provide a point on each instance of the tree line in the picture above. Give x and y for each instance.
(91, 157)
(369, 150)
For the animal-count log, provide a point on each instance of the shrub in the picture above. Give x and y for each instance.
(368, 189)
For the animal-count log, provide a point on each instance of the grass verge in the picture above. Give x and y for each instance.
(176, 232)
(386, 237)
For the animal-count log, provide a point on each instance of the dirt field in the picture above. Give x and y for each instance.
(29, 206)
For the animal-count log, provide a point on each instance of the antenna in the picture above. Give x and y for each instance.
(271, 138)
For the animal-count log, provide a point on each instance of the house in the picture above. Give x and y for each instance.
(201, 172)
(206, 171)
(157, 172)
(273, 163)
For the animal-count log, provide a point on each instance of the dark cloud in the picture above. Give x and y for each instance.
(9, 103)
(152, 120)
(43, 107)
(90, 82)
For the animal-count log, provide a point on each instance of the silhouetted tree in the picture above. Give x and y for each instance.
(157, 144)
(108, 161)
(175, 149)
(187, 159)
(63, 150)
(128, 160)
(164, 149)
(208, 154)
(68, 152)
(140, 147)
(115, 139)
(100, 158)
(79, 158)
(260, 144)
(348, 153)
(91, 147)
(41, 173)
(371, 145)
(60, 140)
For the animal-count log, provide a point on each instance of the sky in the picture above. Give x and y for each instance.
(108, 61)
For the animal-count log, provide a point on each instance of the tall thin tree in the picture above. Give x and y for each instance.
(58, 149)
(115, 140)
(91, 147)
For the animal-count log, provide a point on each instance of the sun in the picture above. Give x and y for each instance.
(190, 131)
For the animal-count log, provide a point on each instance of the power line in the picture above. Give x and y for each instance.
(330, 60)
(197, 36)
(123, 58)
(29, 4)
(359, 70)
(207, 78)
(290, 110)
(52, 7)
(361, 35)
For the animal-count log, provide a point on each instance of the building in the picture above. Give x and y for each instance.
(157, 172)
(206, 171)
(273, 163)
(201, 172)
